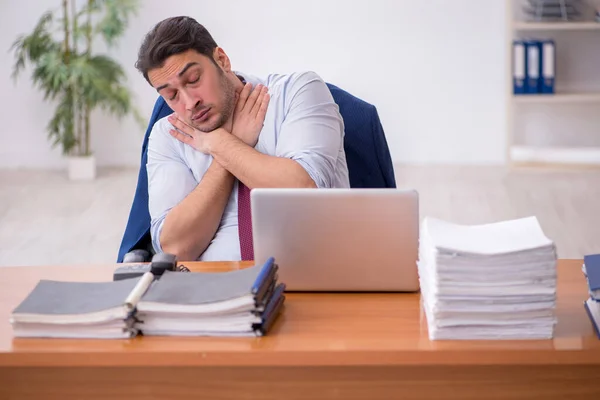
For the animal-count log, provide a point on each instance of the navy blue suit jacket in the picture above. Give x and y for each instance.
(367, 155)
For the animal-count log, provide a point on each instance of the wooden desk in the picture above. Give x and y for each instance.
(334, 346)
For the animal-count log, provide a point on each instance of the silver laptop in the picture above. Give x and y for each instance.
(339, 239)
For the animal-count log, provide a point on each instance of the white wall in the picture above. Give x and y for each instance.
(435, 70)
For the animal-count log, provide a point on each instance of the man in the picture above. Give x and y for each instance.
(230, 132)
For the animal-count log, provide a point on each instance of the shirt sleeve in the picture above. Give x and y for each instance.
(170, 179)
(312, 132)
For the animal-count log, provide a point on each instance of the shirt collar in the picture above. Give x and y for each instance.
(248, 78)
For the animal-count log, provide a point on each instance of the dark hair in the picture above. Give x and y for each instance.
(173, 36)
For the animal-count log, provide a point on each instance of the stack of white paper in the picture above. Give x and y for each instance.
(492, 281)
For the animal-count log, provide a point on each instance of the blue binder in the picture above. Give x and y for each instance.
(519, 66)
(591, 268)
(591, 307)
(548, 66)
(534, 70)
(591, 264)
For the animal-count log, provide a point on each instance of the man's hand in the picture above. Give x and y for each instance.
(246, 124)
(249, 114)
(188, 134)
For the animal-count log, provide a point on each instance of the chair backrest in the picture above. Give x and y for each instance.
(367, 155)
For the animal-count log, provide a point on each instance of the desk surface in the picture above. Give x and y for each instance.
(313, 330)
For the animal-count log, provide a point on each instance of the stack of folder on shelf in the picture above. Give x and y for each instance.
(492, 281)
(534, 66)
(243, 302)
(591, 270)
(555, 10)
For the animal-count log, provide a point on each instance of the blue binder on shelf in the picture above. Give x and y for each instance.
(548, 66)
(519, 67)
(533, 63)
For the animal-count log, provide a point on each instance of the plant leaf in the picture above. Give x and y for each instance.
(51, 75)
(113, 23)
(33, 46)
(61, 126)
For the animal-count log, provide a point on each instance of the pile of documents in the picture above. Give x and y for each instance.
(243, 302)
(102, 310)
(556, 10)
(492, 281)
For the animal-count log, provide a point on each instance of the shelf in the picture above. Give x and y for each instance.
(556, 26)
(555, 155)
(576, 98)
(557, 98)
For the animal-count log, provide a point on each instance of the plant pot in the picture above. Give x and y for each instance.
(82, 168)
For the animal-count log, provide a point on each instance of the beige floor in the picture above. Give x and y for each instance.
(44, 219)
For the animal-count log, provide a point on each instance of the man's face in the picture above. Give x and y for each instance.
(196, 89)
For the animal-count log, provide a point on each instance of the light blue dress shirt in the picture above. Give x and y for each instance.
(302, 123)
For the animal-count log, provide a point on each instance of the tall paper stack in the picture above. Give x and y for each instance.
(492, 281)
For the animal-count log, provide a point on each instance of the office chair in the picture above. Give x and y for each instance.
(367, 155)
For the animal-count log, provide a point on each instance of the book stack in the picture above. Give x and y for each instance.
(591, 271)
(244, 302)
(491, 281)
(238, 303)
(104, 310)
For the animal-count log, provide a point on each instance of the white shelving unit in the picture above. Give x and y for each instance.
(555, 155)
(524, 154)
(555, 26)
(558, 98)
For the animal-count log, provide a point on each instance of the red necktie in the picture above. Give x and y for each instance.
(245, 222)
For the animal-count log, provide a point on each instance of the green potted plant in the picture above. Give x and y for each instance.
(59, 50)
